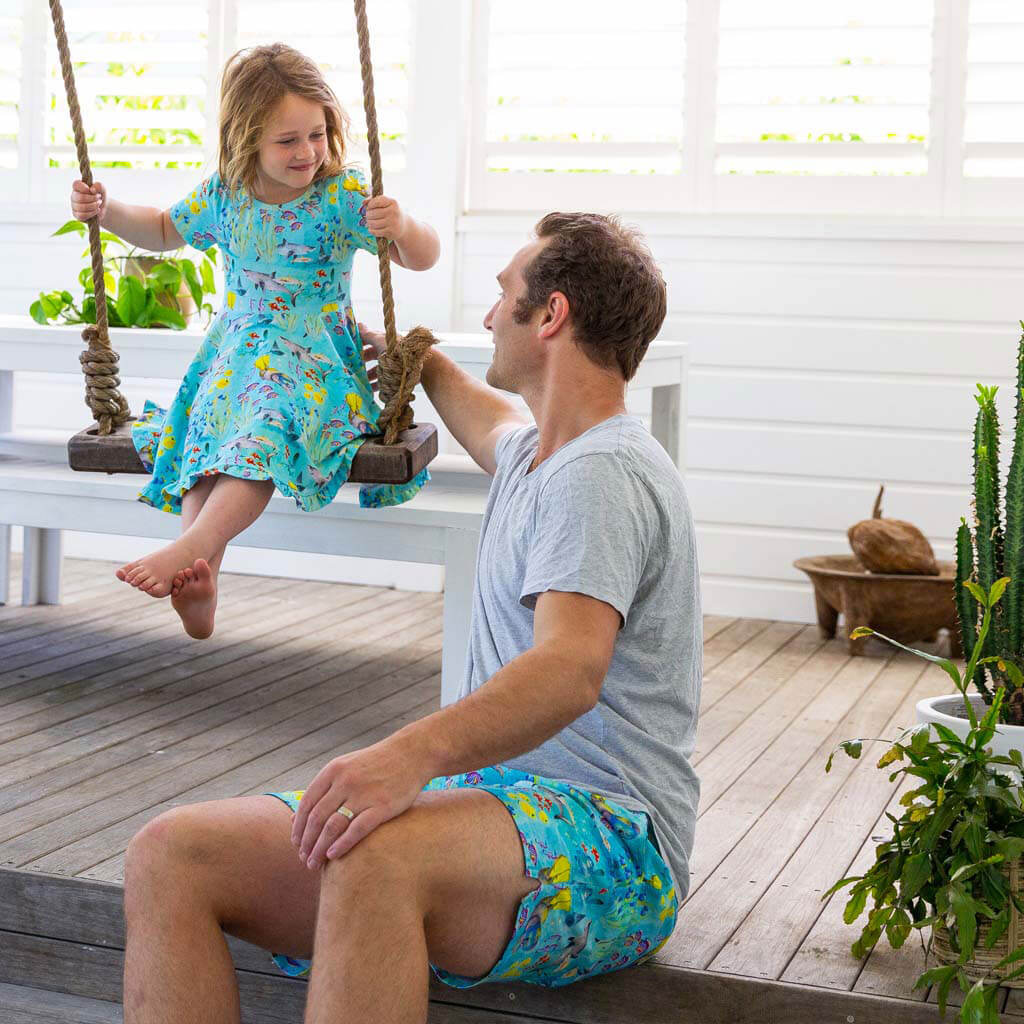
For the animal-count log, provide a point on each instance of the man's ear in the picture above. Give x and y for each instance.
(556, 315)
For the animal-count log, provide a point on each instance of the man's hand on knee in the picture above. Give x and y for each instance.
(373, 785)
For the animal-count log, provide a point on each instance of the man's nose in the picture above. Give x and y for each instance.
(489, 318)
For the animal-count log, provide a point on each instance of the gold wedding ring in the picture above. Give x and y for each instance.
(346, 812)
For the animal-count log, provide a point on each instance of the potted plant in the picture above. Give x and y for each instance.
(142, 290)
(992, 549)
(953, 863)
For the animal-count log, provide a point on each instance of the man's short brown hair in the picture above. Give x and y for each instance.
(616, 292)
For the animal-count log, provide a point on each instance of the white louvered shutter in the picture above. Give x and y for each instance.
(11, 29)
(578, 100)
(325, 32)
(834, 90)
(141, 80)
(994, 106)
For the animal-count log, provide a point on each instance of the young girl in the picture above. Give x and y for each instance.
(277, 395)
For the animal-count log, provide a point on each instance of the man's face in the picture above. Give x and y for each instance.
(516, 348)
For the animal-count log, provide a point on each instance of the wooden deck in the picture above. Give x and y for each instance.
(108, 716)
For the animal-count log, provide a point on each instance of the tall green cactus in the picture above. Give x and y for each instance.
(1013, 541)
(990, 552)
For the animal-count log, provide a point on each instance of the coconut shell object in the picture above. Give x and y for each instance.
(891, 545)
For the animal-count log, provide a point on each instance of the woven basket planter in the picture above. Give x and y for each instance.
(983, 966)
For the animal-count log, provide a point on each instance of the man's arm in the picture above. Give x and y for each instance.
(525, 703)
(476, 414)
(531, 698)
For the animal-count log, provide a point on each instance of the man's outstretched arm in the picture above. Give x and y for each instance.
(525, 703)
(475, 413)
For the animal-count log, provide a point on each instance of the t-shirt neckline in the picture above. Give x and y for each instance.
(527, 472)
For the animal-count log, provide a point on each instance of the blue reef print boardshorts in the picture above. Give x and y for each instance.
(605, 901)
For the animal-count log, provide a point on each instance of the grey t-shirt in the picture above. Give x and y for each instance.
(606, 516)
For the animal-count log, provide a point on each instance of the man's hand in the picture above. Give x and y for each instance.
(374, 343)
(377, 784)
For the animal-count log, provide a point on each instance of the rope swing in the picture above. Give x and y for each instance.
(400, 366)
(99, 361)
(405, 448)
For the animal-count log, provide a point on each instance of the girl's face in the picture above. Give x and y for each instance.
(293, 147)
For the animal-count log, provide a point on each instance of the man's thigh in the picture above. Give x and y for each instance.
(471, 863)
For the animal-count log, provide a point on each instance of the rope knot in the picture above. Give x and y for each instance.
(399, 369)
(101, 367)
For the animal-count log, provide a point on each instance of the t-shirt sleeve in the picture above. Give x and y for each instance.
(348, 194)
(507, 444)
(594, 528)
(197, 216)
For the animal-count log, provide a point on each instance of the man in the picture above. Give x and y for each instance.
(552, 840)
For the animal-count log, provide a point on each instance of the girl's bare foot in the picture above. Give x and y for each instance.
(195, 599)
(155, 574)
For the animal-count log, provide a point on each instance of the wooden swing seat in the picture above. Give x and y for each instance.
(375, 463)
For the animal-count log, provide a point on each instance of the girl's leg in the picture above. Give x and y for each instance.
(231, 506)
(194, 588)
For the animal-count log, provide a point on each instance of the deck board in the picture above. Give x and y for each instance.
(108, 716)
(197, 680)
(760, 823)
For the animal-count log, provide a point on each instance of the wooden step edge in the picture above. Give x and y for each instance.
(20, 1004)
(75, 925)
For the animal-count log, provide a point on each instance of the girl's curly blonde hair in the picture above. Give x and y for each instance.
(255, 80)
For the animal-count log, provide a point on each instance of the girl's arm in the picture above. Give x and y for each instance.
(415, 245)
(143, 226)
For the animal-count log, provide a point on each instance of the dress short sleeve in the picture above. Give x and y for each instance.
(197, 216)
(348, 193)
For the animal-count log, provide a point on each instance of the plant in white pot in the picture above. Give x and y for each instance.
(991, 550)
(953, 863)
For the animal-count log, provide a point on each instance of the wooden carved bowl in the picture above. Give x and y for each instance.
(907, 608)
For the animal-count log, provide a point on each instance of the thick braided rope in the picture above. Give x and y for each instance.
(99, 361)
(399, 368)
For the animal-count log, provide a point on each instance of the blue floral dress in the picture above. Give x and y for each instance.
(278, 389)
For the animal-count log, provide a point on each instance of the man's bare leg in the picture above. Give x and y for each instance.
(188, 874)
(444, 881)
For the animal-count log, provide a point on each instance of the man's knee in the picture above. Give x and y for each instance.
(391, 854)
(171, 850)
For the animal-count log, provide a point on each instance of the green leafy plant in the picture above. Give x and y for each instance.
(962, 823)
(142, 290)
(993, 547)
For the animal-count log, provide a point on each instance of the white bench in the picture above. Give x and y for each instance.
(440, 526)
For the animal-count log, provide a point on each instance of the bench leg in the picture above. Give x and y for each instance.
(5, 564)
(668, 422)
(42, 573)
(459, 578)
